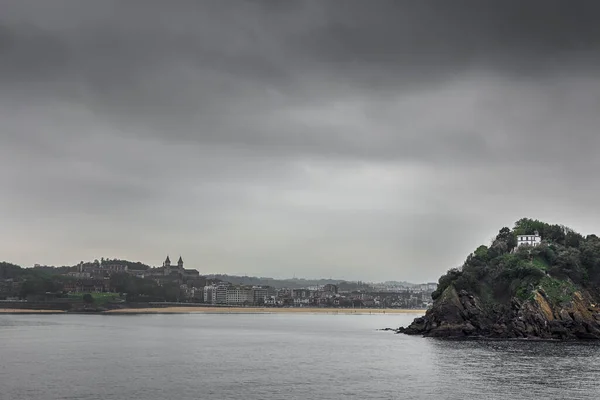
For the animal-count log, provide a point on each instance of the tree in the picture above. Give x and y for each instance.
(556, 234)
(446, 280)
(568, 265)
(590, 258)
(88, 298)
(573, 239)
(505, 242)
(10, 271)
(482, 253)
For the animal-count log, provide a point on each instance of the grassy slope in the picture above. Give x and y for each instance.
(99, 298)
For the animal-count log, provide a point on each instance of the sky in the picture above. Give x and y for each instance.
(362, 140)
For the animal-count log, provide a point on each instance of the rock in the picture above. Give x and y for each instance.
(577, 317)
(468, 329)
(564, 315)
(461, 314)
(557, 330)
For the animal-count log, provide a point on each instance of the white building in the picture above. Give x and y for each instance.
(239, 295)
(228, 294)
(220, 294)
(299, 302)
(529, 240)
(208, 293)
(216, 294)
(273, 301)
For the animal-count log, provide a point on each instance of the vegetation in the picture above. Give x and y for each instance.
(292, 283)
(35, 281)
(139, 289)
(558, 291)
(132, 265)
(39, 283)
(564, 262)
(88, 298)
(95, 298)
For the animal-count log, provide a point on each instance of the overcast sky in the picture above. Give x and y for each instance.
(367, 140)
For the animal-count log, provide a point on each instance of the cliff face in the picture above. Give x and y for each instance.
(459, 314)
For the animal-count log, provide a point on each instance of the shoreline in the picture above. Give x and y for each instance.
(29, 311)
(262, 310)
(225, 310)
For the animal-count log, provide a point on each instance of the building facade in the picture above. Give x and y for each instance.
(529, 240)
(227, 294)
(238, 295)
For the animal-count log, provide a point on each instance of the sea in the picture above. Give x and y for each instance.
(276, 356)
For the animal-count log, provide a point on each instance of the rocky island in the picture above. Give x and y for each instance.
(535, 281)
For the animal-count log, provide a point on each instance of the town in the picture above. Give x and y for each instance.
(117, 281)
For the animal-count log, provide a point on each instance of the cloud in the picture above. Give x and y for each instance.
(375, 141)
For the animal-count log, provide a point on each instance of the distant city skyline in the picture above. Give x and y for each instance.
(366, 140)
(240, 274)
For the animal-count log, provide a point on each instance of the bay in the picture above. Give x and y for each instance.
(276, 356)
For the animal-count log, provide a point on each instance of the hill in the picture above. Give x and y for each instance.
(548, 291)
(292, 283)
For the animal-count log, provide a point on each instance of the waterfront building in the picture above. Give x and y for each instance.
(208, 294)
(301, 293)
(237, 295)
(220, 294)
(261, 293)
(226, 293)
(330, 288)
(216, 293)
(301, 302)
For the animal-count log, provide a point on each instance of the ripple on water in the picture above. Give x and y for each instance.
(267, 356)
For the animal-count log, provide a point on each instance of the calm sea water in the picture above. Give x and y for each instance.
(275, 356)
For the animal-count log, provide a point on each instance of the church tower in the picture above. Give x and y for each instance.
(167, 262)
(180, 263)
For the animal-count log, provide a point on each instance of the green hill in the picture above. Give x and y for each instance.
(504, 290)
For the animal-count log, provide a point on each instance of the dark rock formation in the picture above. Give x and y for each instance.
(462, 315)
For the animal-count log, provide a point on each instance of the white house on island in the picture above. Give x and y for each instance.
(529, 240)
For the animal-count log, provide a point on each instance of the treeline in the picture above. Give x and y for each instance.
(288, 283)
(133, 265)
(39, 282)
(564, 262)
(33, 281)
(13, 271)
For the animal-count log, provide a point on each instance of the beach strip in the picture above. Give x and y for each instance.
(28, 311)
(261, 310)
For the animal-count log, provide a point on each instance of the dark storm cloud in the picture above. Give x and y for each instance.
(443, 34)
(216, 72)
(250, 128)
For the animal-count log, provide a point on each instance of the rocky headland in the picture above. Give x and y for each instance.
(546, 291)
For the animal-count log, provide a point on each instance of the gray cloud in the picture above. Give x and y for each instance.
(302, 137)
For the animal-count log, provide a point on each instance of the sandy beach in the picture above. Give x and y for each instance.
(230, 310)
(265, 310)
